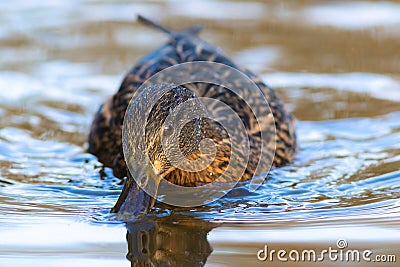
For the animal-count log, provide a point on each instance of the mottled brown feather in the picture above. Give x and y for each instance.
(106, 131)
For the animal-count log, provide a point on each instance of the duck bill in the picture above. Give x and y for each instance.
(134, 200)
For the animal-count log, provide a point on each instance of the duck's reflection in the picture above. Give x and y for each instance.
(162, 242)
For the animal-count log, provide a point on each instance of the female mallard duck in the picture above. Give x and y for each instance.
(105, 139)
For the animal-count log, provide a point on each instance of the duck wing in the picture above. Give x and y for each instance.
(105, 138)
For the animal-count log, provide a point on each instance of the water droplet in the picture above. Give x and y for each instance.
(168, 130)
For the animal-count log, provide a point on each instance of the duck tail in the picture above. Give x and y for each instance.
(194, 30)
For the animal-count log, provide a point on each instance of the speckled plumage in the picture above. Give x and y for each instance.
(105, 136)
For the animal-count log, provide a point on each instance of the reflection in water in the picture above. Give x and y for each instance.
(164, 242)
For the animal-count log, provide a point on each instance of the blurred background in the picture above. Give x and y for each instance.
(335, 63)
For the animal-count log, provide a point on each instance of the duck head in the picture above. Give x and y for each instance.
(162, 127)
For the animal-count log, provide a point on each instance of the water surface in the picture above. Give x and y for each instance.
(59, 60)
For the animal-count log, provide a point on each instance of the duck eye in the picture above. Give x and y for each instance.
(168, 130)
(143, 181)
